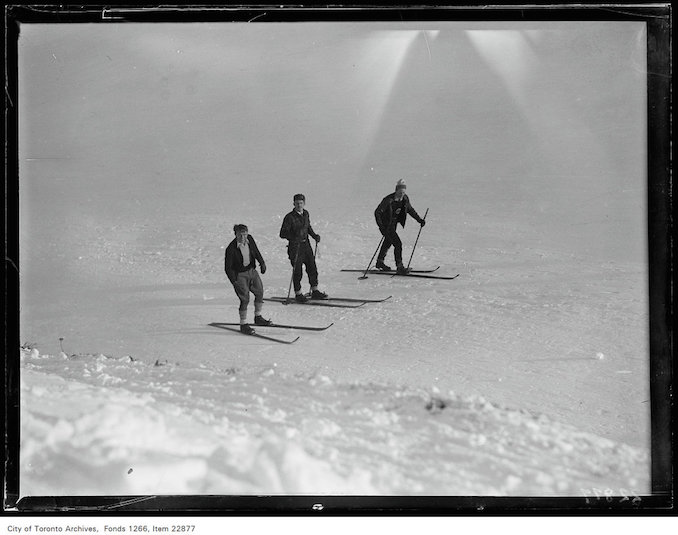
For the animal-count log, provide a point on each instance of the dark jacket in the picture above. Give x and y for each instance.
(297, 227)
(387, 214)
(233, 261)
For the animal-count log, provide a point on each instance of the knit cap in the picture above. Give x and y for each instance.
(401, 184)
(300, 197)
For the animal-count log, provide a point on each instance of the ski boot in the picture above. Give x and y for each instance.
(380, 265)
(259, 320)
(402, 270)
(317, 294)
(300, 298)
(246, 329)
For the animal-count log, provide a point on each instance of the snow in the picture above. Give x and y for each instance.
(197, 429)
(526, 375)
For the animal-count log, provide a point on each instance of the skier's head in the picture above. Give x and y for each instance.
(299, 201)
(240, 232)
(400, 189)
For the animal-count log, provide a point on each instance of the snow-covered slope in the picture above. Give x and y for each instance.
(198, 429)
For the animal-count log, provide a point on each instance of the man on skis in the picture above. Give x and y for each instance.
(393, 209)
(296, 228)
(240, 260)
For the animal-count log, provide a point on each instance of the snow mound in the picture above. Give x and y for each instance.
(99, 425)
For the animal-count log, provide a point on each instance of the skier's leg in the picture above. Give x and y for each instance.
(397, 248)
(398, 254)
(311, 269)
(241, 287)
(257, 288)
(296, 259)
(385, 246)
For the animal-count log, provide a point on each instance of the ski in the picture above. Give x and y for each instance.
(257, 335)
(414, 274)
(391, 271)
(316, 302)
(423, 276)
(281, 326)
(353, 299)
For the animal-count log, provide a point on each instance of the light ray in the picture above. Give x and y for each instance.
(383, 57)
(508, 54)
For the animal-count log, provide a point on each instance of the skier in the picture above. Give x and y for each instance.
(240, 260)
(393, 209)
(296, 228)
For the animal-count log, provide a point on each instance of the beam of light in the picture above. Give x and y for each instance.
(382, 58)
(559, 126)
(364, 67)
(509, 55)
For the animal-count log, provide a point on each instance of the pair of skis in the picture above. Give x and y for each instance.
(332, 302)
(337, 302)
(342, 302)
(235, 327)
(419, 273)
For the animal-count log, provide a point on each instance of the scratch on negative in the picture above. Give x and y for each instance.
(255, 18)
(429, 48)
(8, 96)
(12, 263)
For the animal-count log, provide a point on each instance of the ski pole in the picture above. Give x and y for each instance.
(415, 242)
(294, 266)
(364, 275)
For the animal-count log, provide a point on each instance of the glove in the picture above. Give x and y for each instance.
(422, 222)
(382, 230)
(262, 268)
(317, 238)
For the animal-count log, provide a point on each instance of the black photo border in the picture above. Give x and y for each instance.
(658, 18)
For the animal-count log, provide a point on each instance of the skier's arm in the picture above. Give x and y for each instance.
(258, 257)
(312, 232)
(415, 215)
(285, 228)
(379, 215)
(228, 265)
